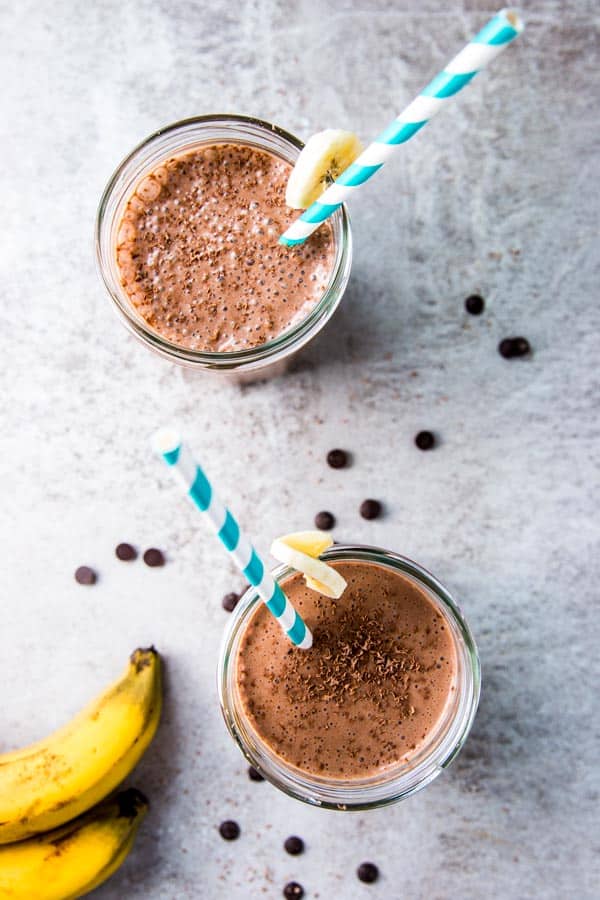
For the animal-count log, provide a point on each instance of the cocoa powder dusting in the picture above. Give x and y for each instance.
(371, 689)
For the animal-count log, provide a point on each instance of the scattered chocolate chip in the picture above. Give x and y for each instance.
(505, 348)
(521, 346)
(324, 520)
(85, 575)
(154, 557)
(368, 872)
(425, 440)
(125, 552)
(294, 845)
(512, 347)
(230, 601)
(337, 459)
(229, 830)
(370, 509)
(293, 891)
(475, 304)
(254, 774)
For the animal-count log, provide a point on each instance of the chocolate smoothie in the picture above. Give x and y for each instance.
(198, 256)
(372, 688)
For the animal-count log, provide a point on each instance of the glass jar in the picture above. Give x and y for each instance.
(268, 358)
(393, 783)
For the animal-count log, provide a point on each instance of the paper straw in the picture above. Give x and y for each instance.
(481, 50)
(190, 475)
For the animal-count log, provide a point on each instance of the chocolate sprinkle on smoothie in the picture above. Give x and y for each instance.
(198, 254)
(374, 684)
(352, 659)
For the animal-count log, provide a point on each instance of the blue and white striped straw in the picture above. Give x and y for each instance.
(481, 50)
(190, 475)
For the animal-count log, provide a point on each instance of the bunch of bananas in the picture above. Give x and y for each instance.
(60, 836)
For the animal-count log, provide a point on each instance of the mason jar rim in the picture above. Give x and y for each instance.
(192, 132)
(398, 782)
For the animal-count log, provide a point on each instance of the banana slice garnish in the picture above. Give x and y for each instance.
(300, 551)
(323, 158)
(313, 543)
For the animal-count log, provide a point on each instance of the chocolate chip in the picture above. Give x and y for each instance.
(425, 440)
(368, 872)
(337, 459)
(230, 601)
(229, 830)
(521, 346)
(85, 575)
(125, 552)
(513, 347)
(294, 845)
(370, 509)
(254, 774)
(154, 557)
(475, 304)
(324, 520)
(293, 891)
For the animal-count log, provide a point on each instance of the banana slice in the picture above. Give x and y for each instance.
(317, 574)
(324, 157)
(313, 543)
(319, 587)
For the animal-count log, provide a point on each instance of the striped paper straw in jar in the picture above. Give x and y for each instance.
(481, 50)
(176, 454)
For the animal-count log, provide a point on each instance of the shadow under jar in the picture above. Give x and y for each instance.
(186, 244)
(381, 703)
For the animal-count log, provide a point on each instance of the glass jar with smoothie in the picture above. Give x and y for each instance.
(187, 246)
(381, 703)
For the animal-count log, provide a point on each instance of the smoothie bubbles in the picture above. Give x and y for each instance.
(187, 246)
(380, 704)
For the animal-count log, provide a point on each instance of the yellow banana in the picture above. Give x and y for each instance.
(72, 860)
(50, 782)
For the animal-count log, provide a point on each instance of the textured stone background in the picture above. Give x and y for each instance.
(499, 196)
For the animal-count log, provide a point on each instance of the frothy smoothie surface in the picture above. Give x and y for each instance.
(372, 688)
(198, 255)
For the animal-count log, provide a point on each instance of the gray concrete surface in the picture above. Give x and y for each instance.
(500, 196)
